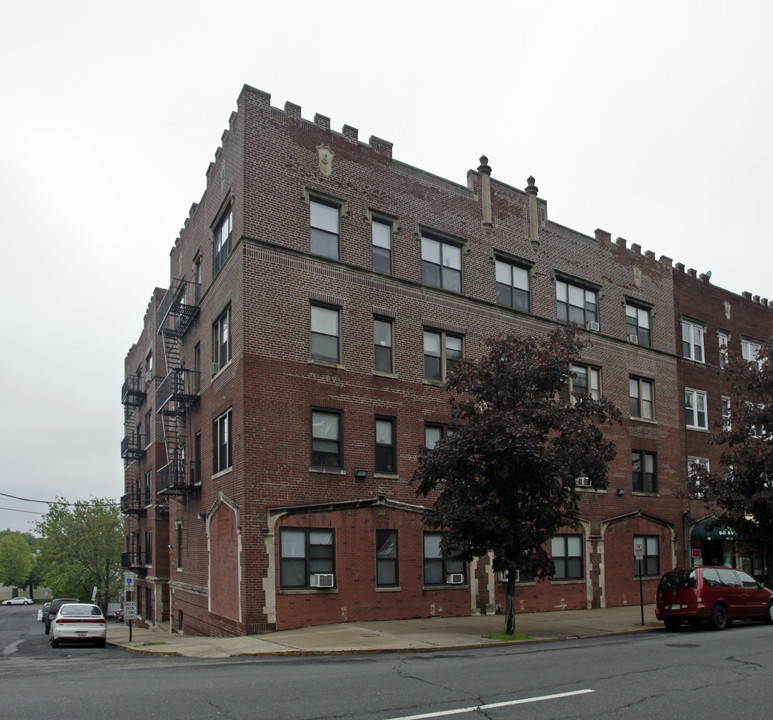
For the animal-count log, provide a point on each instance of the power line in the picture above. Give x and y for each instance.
(54, 502)
(30, 512)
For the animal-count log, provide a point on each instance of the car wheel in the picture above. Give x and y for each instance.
(769, 613)
(672, 625)
(54, 643)
(719, 617)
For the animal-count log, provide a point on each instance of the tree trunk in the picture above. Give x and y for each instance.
(510, 604)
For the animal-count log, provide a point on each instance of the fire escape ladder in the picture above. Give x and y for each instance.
(179, 390)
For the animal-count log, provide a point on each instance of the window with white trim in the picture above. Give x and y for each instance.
(722, 342)
(582, 380)
(221, 340)
(725, 413)
(750, 351)
(692, 341)
(695, 409)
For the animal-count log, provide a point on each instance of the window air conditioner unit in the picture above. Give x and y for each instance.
(633, 339)
(582, 481)
(455, 578)
(502, 576)
(323, 580)
(214, 368)
(593, 326)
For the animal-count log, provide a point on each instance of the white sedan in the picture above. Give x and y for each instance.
(18, 601)
(77, 623)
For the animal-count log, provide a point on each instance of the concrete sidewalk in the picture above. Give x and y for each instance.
(423, 634)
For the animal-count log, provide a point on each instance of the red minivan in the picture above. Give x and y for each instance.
(717, 595)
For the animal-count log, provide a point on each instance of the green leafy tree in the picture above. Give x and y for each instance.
(742, 492)
(505, 477)
(16, 560)
(81, 547)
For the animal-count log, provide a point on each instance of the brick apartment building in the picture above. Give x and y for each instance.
(284, 383)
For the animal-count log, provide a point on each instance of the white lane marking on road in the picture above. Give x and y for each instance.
(12, 648)
(491, 706)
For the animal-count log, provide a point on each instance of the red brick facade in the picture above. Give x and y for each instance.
(226, 515)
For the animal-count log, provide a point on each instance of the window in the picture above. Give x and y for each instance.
(722, 341)
(512, 285)
(576, 304)
(149, 368)
(750, 352)
(148, 428)
(387, 574)
(440, 569)
(381, 234)
(222, 238)
(385, 445)
(179, 547)
(566, 551)
(725, 413)
(221, 435)
(148, 547)
(692, 341)
(197, 277)
(642, 396)
(326, 439)
(305, 553)
(434, 433)
(637, 325)
(325, 333)
(148, 486)
(221, 340)
(582, 380)
(703, 462)
(196, 469)
(650, 563)
(382, 345)
(441, 352)
(644, 471)
(441, 264)
(695, 409)
(324, 221)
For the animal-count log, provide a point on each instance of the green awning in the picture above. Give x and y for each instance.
(710, 530)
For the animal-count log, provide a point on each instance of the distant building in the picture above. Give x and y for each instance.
(278, 396)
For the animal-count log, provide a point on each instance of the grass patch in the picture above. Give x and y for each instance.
(145, 644)
(502, 637)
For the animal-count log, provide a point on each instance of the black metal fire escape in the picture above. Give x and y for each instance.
(179, 391)
(132, 397)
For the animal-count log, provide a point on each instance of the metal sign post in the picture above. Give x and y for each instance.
(638, 553)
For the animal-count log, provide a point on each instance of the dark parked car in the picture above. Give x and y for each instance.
(53, 609)
(717, 595)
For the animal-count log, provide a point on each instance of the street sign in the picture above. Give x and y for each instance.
(129, 580)
(638, 549)
(130, 610)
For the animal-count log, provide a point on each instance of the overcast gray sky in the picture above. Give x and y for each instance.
(653, 121)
